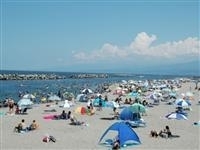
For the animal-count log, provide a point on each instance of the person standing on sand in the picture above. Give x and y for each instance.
(100, 103)
(11, 105)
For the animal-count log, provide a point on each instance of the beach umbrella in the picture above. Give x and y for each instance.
(68, 95)
(87, 91)
(182, 103)
(168, 90)
(189, 94)
(111, 104)
(134, 94)
(178, 116)
(29, 96)
(124, 82)
(125, 134)
(54, 98)
(25, 103)
(82, 98)
(137, 108)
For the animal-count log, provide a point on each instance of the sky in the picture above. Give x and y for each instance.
(101, 36)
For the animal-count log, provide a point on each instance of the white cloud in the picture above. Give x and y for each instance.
(142, 46)
(142, 42)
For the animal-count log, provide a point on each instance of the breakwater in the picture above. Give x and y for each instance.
(49, 76)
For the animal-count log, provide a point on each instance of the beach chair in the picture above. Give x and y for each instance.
(24, 111)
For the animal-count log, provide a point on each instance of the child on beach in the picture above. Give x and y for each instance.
(33, 126)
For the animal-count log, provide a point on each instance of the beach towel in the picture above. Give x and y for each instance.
(49, 117)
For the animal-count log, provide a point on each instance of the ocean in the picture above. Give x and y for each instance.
(12, 88)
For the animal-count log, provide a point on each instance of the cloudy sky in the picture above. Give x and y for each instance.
(100, 36)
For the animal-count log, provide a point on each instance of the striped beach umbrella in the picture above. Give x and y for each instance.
(177, 116)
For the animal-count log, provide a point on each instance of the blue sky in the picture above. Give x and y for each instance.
(100, 36)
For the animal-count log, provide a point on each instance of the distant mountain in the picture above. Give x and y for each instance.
(187, 68)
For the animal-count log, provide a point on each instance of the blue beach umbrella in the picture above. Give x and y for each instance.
(178, 116)
(183, 103)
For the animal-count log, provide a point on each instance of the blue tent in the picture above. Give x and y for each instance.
(126, 134)
(96, 102)
(127, 114)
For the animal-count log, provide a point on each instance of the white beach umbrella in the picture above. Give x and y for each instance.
(54, 98)
(25, 102)
(87, 91)
(28, 96)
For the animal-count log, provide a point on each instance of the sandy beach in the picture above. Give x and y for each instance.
(87, 136)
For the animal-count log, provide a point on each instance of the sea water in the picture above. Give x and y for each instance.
(12, 88)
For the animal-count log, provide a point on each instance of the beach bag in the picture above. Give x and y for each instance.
(46, 139)
(51, 138)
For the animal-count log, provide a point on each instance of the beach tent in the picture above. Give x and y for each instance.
(126, 114)
(111, 104)
(134, 119)
(25, 103)
(81, 110)
(82, 98)
(137, 108)
(96, 102)
(126, 135)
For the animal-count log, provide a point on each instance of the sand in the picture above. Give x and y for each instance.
(87, 137)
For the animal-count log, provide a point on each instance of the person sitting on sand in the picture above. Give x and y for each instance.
(91, 111)
(116, 113)
(126, 101)
(18, 110)
(73, 120)
(166, 132)
(63, 115)
(116, 143)
(153, 133)
(33, 126)
(21, 127)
